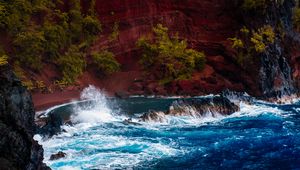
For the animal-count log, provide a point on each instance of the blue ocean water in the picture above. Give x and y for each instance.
(260, 136)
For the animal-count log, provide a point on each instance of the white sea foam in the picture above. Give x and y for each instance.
(69, 168)
(99, 145)
(97, 110)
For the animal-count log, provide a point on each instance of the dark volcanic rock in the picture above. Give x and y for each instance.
(197, 107)
(153, 116)
(17, 147)
(237, 97)
(58, 155)
(201, 106)
(52, 125)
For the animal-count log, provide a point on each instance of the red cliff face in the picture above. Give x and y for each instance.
(205, 24)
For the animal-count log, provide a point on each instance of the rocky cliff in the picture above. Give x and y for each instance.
(206, 25)
(17, 147)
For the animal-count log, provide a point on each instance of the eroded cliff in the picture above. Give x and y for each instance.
(206, 25)
(17, 147)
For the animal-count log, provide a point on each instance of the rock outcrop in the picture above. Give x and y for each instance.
(195, 107)
(58, 155)
(275, 69)
(17, 147)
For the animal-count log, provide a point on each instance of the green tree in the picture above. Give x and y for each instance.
(72, 64)
(106, 62)
(29, 48)
(169, 56)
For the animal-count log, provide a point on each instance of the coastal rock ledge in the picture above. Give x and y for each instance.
(17, 147)
(196, 107)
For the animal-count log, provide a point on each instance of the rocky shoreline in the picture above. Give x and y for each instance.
(17, 128)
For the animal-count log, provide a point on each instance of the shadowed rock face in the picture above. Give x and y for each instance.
(17, 147)
(197, 108)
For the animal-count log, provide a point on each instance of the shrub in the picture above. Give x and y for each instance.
(262, 38)
(296, 19)
(254, 4)
(19, 72)
(29, 48)
(249, 43)
(28, 84)
(55, 39)
(15, 15)
(91, 27)
(169, 56)
(106, 62)
(72, 64)
(42, 29)
(115, 32)
(3, 60)
(236, 43)
(40, 85)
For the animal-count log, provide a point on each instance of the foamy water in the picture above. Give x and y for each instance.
(258, 136)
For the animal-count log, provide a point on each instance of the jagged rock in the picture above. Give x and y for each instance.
(58, 155)
(51, 124)
(237, 97)
(153, 116)
(196, 107)
(200, 106)
(17, 147)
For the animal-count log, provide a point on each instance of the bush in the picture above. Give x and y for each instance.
(43, 30)
(91, 27)
(296, 19)
(169, 56)
(262, 38)
(56, 38)
(3, 60)
(254, 4)
(15, 15)
(72, 64)
(29, 48)
(249, 43)
(106, 62)
(115, 32)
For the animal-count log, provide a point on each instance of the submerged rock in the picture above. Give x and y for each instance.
(58, 155)
(17, 147)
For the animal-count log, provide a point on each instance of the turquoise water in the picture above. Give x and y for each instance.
(260, 136)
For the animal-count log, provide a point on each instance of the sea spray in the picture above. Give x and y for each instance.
(256, 136)
(96, 110)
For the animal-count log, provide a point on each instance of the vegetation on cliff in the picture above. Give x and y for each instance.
(169, 56)
(106, 62)
(296, 18)
(248, 43)
(40, 31)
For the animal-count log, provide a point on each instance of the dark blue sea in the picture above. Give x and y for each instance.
(259, 136)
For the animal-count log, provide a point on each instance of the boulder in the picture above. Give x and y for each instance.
(58, 155)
